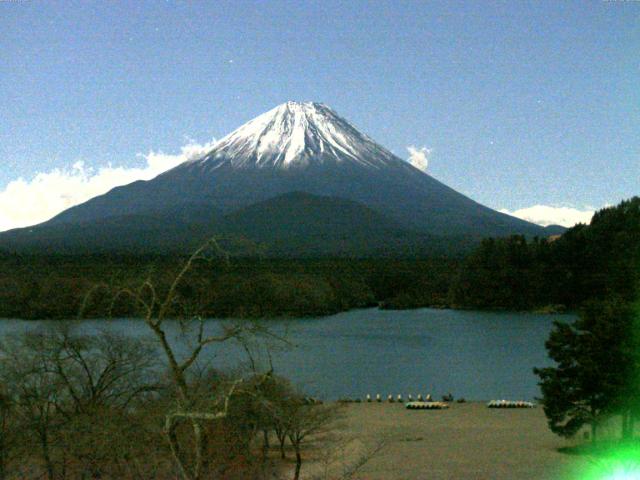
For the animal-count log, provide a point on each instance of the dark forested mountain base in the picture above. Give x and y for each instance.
(595, 261)
(588, 261)
(293, 225)
(38, 287)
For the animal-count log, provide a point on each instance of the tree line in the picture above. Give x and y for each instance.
(588, 261)
(515, 273)
(53, 287)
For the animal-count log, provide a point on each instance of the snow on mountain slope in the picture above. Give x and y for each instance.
(304, 147)
(293, 135)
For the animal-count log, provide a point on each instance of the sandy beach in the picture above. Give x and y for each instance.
(467, 441)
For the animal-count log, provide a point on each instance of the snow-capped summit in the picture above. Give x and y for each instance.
(295, 134)
(281, 157)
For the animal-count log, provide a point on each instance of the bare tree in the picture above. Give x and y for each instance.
(6, 430)
(85, 401)
(66, 387)
(304, 420)
(102, 375)
(34, 392)
(190, 409)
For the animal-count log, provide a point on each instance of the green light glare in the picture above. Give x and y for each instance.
(621, 463)
(623, 474)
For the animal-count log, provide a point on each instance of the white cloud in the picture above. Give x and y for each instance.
(419, 157)
(550, 215)
(28, 202)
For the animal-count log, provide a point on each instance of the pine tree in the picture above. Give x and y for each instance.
(596, 369)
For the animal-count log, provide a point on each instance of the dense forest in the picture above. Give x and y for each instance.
(36, 287)
(588, 261)
(507, 273)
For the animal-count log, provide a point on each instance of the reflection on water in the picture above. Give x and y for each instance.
(476, 355)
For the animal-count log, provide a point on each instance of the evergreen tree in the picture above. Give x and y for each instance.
(596, 371)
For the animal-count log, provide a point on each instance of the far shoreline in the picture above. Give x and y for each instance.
(546, 311)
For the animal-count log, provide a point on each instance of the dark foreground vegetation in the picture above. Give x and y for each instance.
(597, 371)
(511, 273)
(77, 405)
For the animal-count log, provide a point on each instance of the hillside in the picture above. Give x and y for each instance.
(303, 148)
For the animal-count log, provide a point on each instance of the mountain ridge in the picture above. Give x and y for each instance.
(295, 224)
(299, 147)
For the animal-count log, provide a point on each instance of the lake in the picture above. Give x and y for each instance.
(475, 355)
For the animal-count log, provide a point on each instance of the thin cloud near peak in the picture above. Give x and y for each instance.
(419, 157)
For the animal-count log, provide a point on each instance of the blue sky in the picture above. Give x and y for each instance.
(520, 103)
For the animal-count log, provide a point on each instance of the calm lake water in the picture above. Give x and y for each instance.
(476, 355)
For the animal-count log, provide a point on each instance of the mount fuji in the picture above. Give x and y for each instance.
(298, 176)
